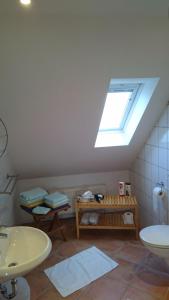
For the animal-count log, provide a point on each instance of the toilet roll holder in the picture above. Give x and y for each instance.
(161, 185)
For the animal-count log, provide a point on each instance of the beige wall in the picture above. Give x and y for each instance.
(7, 216)
(69, 184)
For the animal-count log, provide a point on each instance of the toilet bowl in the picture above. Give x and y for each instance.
(156, 239)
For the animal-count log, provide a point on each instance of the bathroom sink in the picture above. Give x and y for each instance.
(22, 250)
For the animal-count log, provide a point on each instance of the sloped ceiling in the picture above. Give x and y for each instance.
(56, 60)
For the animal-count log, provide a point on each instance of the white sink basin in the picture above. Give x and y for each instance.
(23, 250)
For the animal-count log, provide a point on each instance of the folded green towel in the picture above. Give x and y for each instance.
(55, 197)
(56, 204)
(41, 210)
(36, 193)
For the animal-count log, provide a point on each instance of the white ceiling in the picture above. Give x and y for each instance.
(54, 72)
(92, 7)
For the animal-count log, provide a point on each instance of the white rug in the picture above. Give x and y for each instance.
(79, 270)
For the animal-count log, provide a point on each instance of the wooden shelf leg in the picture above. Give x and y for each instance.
(137, 222)
(59, 226)
(37, 220)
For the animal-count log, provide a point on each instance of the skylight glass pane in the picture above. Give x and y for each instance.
(114, 110)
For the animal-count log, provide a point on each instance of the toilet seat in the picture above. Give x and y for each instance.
(156, 236)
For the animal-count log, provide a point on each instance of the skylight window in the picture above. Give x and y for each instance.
(114, 110)
(125, 104)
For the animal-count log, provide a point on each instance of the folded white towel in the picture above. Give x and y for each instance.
(93, 218)
(90, 218)
(85, 219)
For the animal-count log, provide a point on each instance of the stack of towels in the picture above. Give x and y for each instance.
(38, 196)
(56, 200)
(32, 197)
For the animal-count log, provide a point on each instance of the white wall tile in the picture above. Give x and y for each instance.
(148, 153)
(155, 155)
(148, 171)
(167, 182)
(145, 217)
(163, 215)
(163, 122)
(153, 139)
(162, 158)
(168, 139)
(154, 174)
(148, 187)
(163, 137)
(149, 204)
(162, 176)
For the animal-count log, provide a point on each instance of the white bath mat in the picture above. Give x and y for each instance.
(79, 270)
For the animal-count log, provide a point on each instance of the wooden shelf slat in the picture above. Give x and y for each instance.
(110, 201)
(111, 220)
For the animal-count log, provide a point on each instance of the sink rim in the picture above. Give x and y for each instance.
(36, 259)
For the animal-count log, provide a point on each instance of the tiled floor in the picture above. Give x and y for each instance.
(139, 276)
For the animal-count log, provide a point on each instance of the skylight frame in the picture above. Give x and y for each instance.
(128, 87)
(123, 137)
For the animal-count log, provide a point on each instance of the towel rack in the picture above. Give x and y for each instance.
(9, 178)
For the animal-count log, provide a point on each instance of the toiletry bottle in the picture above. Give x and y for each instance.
(121, 188)
(128, 188)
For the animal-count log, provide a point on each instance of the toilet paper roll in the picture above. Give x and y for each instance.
(157, 192)
(159, 205)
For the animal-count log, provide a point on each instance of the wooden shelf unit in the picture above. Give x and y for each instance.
(109, 220)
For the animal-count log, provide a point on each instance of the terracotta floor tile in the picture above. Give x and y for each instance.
(104, 289)
(49, 262)
(157, 264)
(56, 243)
(167, 295)
(81, 244)
(38, 283)
(49, 295)
(133, 253)
(148, 281)
(53, 294)
(124, 272)
(135, 294)
(66, 249)
(111, 246)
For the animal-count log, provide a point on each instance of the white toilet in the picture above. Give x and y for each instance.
(156, 239)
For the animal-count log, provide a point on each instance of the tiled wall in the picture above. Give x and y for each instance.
(152, 166)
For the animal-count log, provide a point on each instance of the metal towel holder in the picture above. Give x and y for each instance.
(10, 179)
